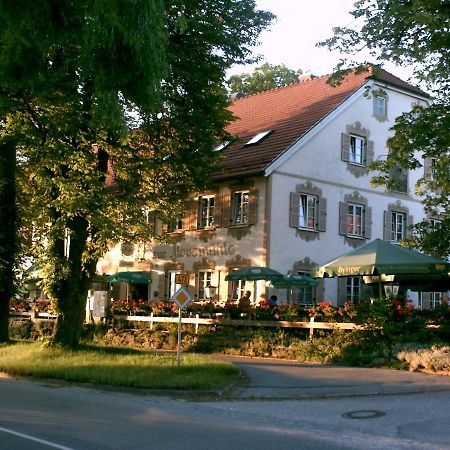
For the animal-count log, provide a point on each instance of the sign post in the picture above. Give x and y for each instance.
(181, 298)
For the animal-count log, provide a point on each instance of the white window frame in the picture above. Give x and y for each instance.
(398, 227)
(204, 279)
(353, 289)
(355, 220)
(206, 211)
(357, 149)
(379, 105)
(307, 218)
(172, 287)
(240, 207)
(436, 299)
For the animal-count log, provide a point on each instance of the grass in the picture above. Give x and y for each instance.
(116, 367)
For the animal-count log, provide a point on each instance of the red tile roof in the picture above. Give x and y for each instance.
(290, 111)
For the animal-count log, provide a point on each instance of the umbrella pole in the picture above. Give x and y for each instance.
(379, 287)
(254, 292)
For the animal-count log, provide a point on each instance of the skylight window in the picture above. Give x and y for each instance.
(221, 146)
(259, 137)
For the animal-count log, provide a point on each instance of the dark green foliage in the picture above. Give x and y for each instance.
(263, 78)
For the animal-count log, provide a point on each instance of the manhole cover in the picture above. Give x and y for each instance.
(364, 414)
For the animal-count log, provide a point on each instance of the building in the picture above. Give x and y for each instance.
(295, 192)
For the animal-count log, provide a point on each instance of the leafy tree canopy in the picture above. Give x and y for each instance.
(416, 33)
(263, 78)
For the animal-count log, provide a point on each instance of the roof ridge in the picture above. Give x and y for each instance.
(278, 88)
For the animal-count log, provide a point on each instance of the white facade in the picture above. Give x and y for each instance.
(312, 167)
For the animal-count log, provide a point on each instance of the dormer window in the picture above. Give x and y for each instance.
(259, 137)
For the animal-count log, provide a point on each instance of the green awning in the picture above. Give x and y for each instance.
(130, 277)
(380, 257)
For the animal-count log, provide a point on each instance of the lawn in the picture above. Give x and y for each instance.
(117, 367)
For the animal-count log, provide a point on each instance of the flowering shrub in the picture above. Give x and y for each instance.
(19, 305)
(43, 306)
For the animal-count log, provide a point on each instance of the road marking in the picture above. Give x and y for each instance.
(31, 438)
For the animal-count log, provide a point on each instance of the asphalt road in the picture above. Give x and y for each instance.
(280, 405)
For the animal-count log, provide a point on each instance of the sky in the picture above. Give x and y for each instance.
(300, 24)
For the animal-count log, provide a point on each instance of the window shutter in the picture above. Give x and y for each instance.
(164, 228)
(319, 291)
(226, 210)
(218, 210)
(367, 222)
(428, 168)
(343, 218)
(252, 207)
(151, 218)
(369, 152)
(342, 290)
(345, 147)
(294, 213)
(187, 216)
(387, 227)
(409, 222)
(426, 300)
(199, 212)
(322, 219)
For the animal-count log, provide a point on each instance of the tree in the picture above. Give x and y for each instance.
(264, 77)
(136, 63)
(413, 33)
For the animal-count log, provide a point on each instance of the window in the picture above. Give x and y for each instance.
(307, 216)
(430, 300)
(355, 220)
(353, 289)
(259, 137)
(399, 178)
(307, 210)
(379, 106)
(355, 217)
(398, 226)
(206, 211)
(240, 207)
(172, 287)
(238, 289)
(357, 147)
(204, 279)
(175, 225)
(305, 295)
(397, 222)
(222, 146)
(434, 224)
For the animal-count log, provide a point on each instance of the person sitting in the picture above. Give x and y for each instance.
(273, 305)
(244, 304)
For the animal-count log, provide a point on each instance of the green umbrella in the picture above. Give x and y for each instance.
(130, 277)
(380, 258)
(294, 280)
(253, 273)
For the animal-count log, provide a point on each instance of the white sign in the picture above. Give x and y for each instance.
(181, 297)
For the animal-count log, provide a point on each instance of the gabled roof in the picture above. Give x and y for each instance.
(289, 112)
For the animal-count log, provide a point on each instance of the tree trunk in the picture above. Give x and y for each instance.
(7, 231)
(69, 292)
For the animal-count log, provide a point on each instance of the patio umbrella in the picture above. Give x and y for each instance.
(254, 273)
(293, 280)
(379, 258)
(130, 277)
